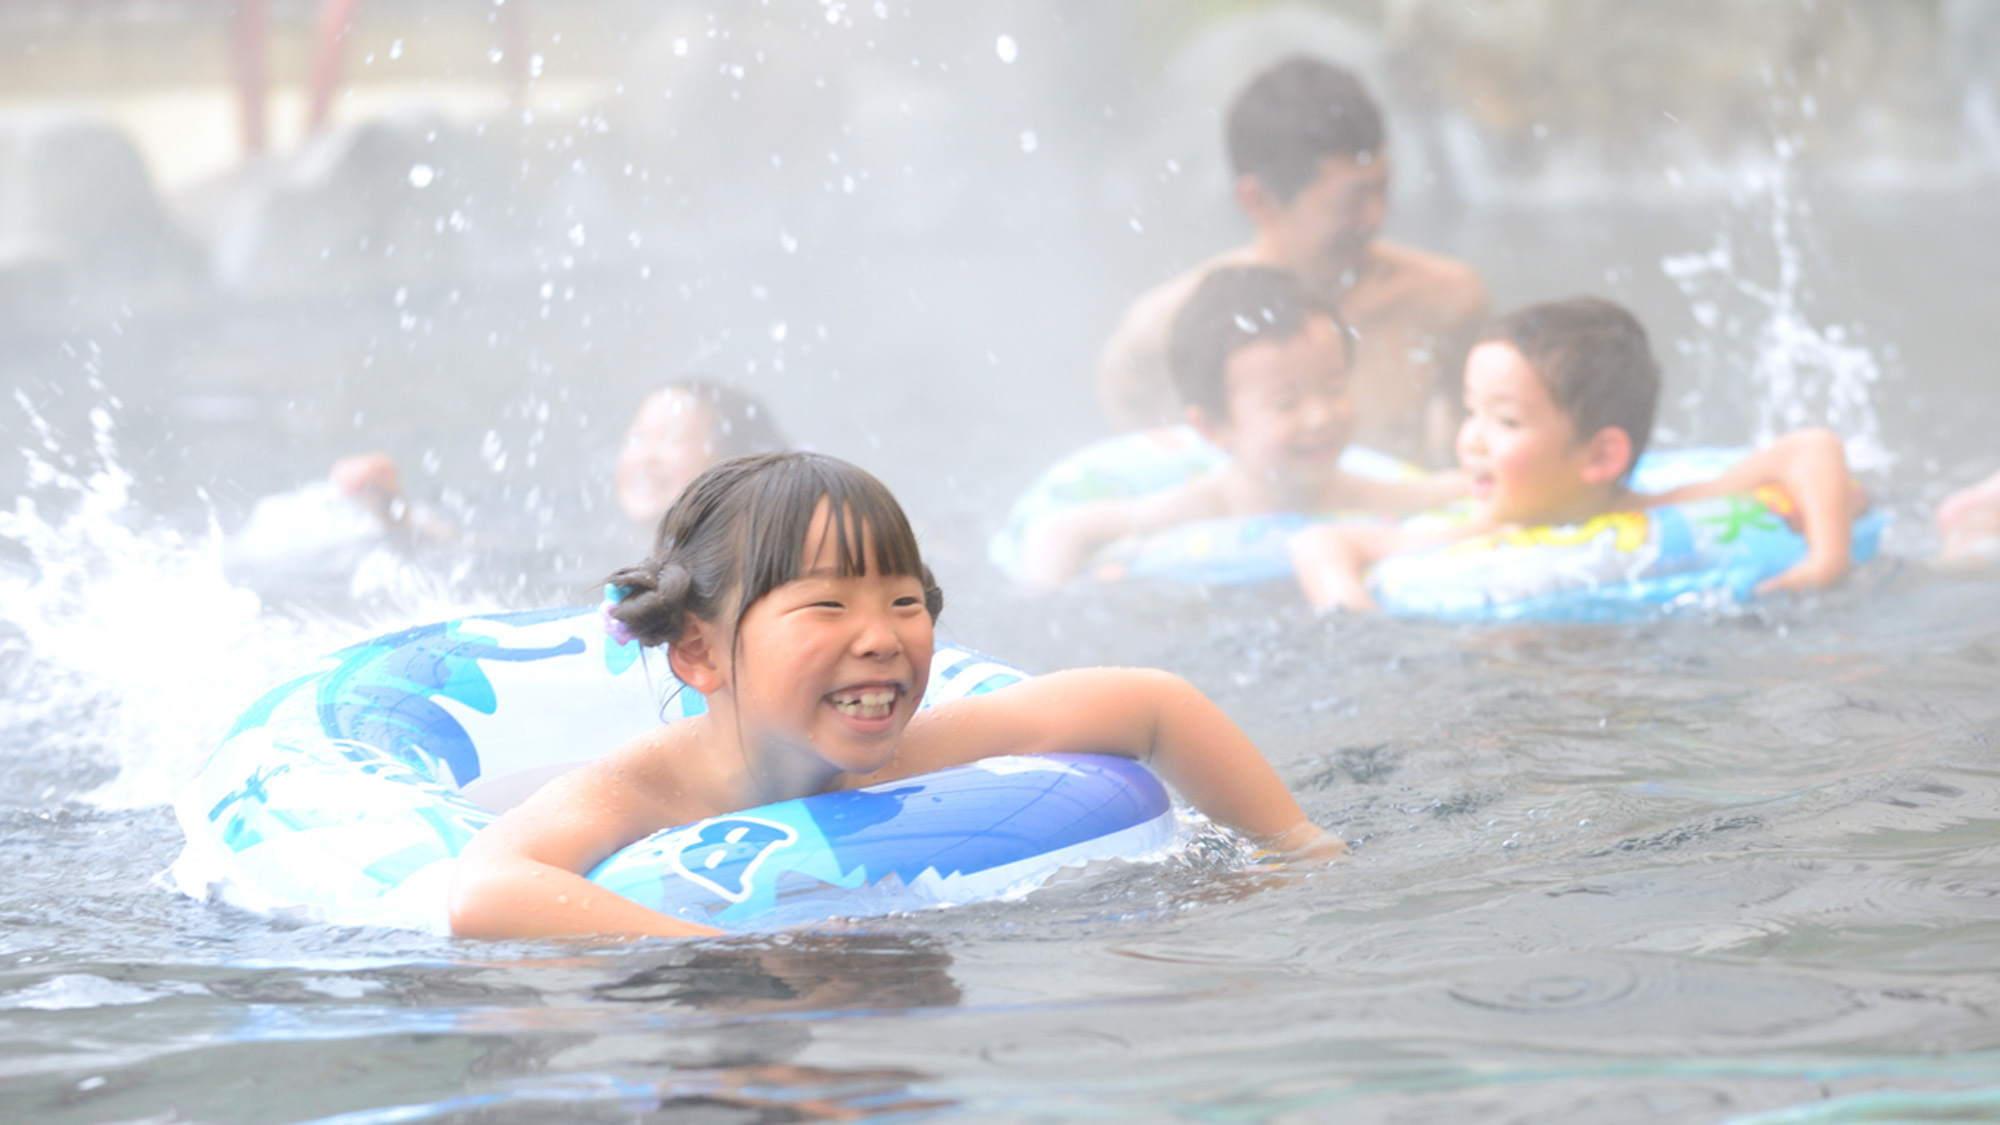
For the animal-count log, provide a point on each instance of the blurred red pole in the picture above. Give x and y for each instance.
(514, 49)
(251, 48)
(336, 20)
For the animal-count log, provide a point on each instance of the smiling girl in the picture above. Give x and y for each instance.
(788, 590)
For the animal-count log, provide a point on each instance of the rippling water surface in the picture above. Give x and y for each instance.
(1739, 867)
(1683, 871)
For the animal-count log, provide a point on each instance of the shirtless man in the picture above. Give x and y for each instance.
(1305, 140)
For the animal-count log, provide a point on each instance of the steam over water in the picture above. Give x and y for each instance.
(1740, 866)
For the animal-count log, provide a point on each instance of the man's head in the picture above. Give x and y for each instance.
(1306, 143)
(1264, 369)
(1559, 404)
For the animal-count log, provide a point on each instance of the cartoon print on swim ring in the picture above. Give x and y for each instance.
(345, 794)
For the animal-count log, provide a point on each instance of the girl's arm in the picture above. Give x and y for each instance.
(519, 877)
(1155, 717)
(1811, 466)
(1056, 547)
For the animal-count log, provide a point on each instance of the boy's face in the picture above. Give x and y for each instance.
(1517, 445)
(1291, 405)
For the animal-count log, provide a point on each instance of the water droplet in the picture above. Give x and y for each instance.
(680, 47)
(1029, 142)
(1005, 48)
(421, 175)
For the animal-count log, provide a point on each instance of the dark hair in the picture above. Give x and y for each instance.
(1295, 114)
(1594, 359)
(740, 530)
(739, 422)
(1232, 308)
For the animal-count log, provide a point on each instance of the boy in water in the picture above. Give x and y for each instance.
(1307, 145)
(1266, 372)
(1559, 401)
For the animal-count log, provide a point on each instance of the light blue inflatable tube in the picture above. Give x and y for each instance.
(345, 795)
(1223, 552)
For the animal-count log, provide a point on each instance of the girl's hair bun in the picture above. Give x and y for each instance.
(654, 609)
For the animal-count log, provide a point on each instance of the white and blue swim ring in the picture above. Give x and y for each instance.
(1228, 551)
(1620, 566)
(345, 795)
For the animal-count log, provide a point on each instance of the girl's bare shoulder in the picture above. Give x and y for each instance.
(666, 766)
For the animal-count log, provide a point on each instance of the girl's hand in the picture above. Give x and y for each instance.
(1305, 842)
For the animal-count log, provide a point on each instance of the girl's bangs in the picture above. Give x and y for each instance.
(776, 536)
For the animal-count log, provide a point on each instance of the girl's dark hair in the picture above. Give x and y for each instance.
(1595, 361)
(739, 422)
(739, 531)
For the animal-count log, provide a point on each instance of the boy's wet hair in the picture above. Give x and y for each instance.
(1593, 357)
(739, 422)
(1295, 114)
(1230, 309)
(740, 531)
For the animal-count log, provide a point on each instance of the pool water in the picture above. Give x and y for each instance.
(1694, 870)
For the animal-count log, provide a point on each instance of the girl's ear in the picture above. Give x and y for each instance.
(1607, 455)
(697, 658)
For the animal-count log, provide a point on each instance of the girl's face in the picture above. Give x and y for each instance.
(1517, 445)
(670, 442)
(836, 664)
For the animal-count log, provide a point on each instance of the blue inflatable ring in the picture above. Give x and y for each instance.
(1231, 551)
(345, 795)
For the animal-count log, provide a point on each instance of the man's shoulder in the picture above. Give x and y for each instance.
(1450, 286)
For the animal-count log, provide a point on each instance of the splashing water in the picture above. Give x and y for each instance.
(1804, 375)
(126, 639)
